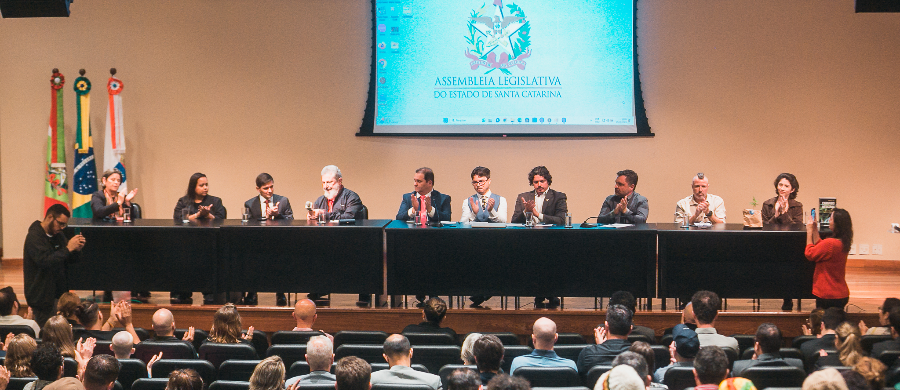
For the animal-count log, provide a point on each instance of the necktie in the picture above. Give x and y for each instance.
(484, 202)
(267, 208)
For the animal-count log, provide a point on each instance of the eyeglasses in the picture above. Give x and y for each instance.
(62, 225)
(478, 182)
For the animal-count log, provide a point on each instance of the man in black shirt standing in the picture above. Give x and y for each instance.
(46, 253)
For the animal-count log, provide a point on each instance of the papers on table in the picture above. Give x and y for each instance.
(618, 225)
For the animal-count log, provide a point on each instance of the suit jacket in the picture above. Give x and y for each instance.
(405, 375)
(440, 202)
(346, 205)
(554, 209)
(638, 210)
(284, 207)
(765, 360)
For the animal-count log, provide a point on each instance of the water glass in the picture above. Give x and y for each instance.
(568, 220)
(126, 214)
(417, 218)
(245, 214)
(185, 215)
(528, 221)
(320, 216)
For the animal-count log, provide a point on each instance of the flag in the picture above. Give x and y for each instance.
(85, 183)
(56, 188)
(114, 143)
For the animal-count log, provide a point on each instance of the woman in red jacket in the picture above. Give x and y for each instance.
(830, 255)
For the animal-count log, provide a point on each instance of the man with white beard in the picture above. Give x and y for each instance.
(337, 203)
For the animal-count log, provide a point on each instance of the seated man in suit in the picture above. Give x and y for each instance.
(546, 206)
(320, 356)
(890, 345)
(832, 317)
(352, 373)
(544, 337)
(765, 352)
(268, 205)
(706, 309)
(398, 353)
(626, 299)
(626, 205)
(337, 203)
(433, 313)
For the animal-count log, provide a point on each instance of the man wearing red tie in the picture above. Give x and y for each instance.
(268, 205)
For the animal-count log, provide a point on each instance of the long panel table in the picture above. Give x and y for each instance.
(734, 262)
(544, 261)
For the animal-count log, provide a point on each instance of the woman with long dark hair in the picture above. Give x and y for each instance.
(198, 202)
(830, 256)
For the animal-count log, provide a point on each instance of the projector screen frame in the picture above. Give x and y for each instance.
(367, 127)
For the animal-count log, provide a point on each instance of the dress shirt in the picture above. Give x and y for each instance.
(498, 215)
(709, 336)
(263, 207)
(15, 319)
(412, 211)
(541, 358)
(538, 216)
(689, 205)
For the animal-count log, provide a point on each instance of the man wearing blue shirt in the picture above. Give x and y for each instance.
(544, 337)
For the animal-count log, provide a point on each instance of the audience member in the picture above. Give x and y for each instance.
(398, 353)
(58, 332)
(710, 368)
(625, 298)
(226, 327)
(506, 382)
(305, 315)
(463, 379)
(687, 318)
(268, 374)
(19, 349)
(122, 345)
(682, 350)
(827, 379)
(646, 351)
(621, 377)
(47, 365)
(873, 370)
(849, 347)
(184, 379)
(883, 319)
(433, 314)
(544, 338)
(319, 356)
(91, 318)
(611, 339)
(640, 365)
(163, 323)
(855, 380)
(831, 318)
(101, 373)
(466, 353)
(352, 373)
(706, 308)
(66, 307)
(67, 383)
(890, 345)
(9, 311)
(766, 352)
(814, 323)
(488, 352)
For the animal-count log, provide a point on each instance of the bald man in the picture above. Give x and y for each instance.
(544, 337)
(398, 353)
(701, 206)
(122, 345)
(305, 315)
(164, 329)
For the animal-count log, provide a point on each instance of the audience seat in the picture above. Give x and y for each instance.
(549, 376)
(679, 378)
(229, 385)
(19, 383)
(666, 339)
(130, 370)
(368, 352)
(510, 352)
(745, 341)
(150, 384)
(397, 386)
(891, 376)
(786, 353)
(434, 357)
(170, 349)
(163, 367)
(199, 336)
(142, 333)
(70, 367)
(448, 369)
(799, 340)
(216, 353)
(660, 356)
(561, 388)
(386, 366)
(570, 338)
(764, 377)
(888, 357)
(237, 370)
(594, 374)
(359, 337)
(639, 337)
(293, 337)
(568, 351)
(732, 356)
(868, 340)
(260, 341)
(430, 338)
(814, 358)
(102, 348)
(289, 353)
(507, 338)
(16, 329)
(315, 386)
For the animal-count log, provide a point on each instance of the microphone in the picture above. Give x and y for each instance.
(588, 225)
(309, 205)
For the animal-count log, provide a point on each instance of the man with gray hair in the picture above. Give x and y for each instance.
(320, 356)
(398, 353)
(700, 206)
(122, 345)
(544, 337)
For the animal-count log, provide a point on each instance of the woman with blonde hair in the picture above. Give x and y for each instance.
(873, 370)
(849, 347)
(226, 327)
(268, 375)
(18, 355)
(58, 332)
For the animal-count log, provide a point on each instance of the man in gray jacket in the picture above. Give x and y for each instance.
(398, 353)
(320, 356)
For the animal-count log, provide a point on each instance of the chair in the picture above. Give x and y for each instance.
(117, 385)
(397, 386)
(163, 367)
(130, 371)
(868, 340)
(199, 336)
(510, 352)
(229, 385)
(507, 338)
(136, 211)
(70, 367)
(216, 353)
(732, 356)
(639, 337)
(888, 357)
(814, 359)
(293, 337)
(549, 376)
(891, 376)
(142, 333)
(569, 351)
(150, 384)
(289, 353)
(316, 386)
(237, 370)
(569, 338)
(434, 357)
(595, 373)
(260, 341)
(660, 356)
(799, 340)
(19, 383)
(386, 366)
(666, 339)
(363, 213)
(448, 369)
(745, 341)
(170, 349)
(16, 329)
(793, 353)
(368, 352)
(679, 378)
(359, 337)
(297, 369)
(102, 348)
(763, 377)
(430, 338)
